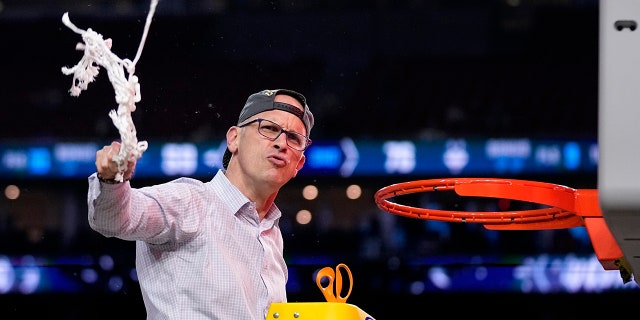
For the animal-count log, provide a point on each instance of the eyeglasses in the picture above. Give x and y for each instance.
(272, 131)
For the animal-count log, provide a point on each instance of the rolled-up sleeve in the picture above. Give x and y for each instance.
(168, 212)
(107, 204)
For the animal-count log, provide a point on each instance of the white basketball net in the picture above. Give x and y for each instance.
(97, 52)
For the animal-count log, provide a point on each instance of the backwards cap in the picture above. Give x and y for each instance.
(264, 101)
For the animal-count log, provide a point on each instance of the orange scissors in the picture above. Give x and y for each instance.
(330, 293)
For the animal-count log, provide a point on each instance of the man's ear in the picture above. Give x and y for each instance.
(232, 139)
(300, 164)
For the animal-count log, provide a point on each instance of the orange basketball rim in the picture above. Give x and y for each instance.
(561, 207)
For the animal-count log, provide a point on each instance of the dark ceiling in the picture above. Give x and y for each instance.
(369, 69)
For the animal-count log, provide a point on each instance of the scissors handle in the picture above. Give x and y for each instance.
(330, 293)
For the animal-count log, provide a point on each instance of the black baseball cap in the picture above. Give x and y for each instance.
(264, 101)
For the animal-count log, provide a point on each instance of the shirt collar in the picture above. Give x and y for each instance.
(237, 202)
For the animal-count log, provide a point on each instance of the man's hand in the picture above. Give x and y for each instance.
(106, 167)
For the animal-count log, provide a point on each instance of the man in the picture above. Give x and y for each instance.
(211, 250)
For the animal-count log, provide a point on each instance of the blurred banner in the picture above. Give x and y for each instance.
(339, 158)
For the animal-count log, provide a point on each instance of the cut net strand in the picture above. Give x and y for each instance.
(97, 53)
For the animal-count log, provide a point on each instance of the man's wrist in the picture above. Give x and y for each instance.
(110, 181)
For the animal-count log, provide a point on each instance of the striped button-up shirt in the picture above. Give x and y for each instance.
(201, 251)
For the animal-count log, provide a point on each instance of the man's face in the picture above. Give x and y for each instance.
(272, 162)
